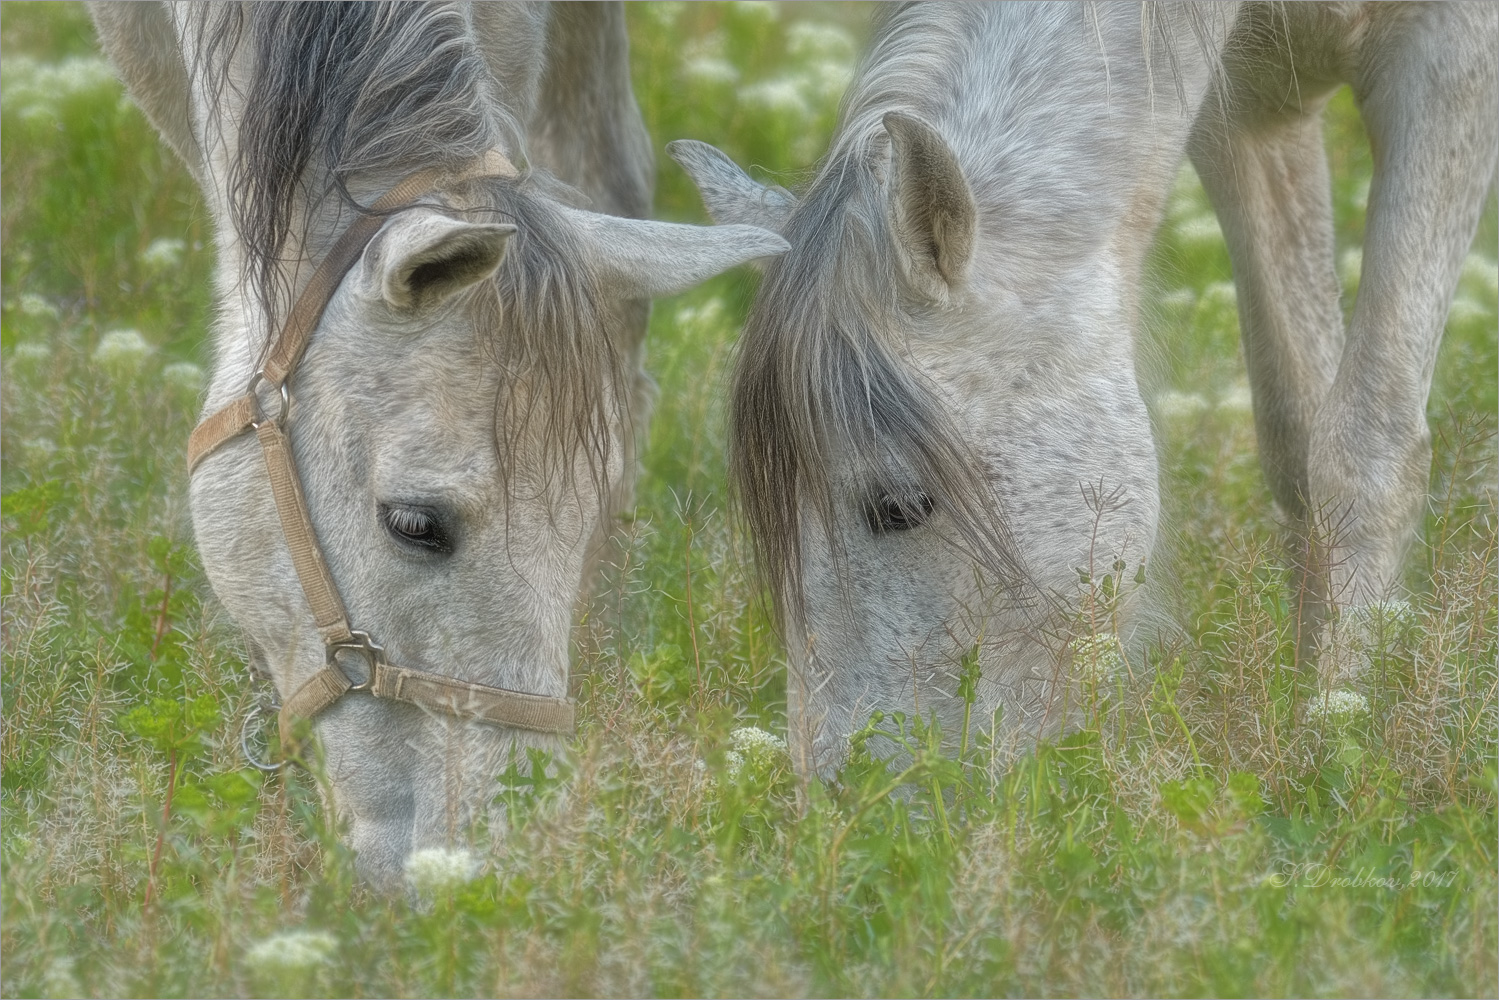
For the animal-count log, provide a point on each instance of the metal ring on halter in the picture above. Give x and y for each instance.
(366, 647)
(244, 745)
(260, 377)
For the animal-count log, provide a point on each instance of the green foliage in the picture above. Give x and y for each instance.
(1209, 827)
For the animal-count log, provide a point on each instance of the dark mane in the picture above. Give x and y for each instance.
(336, 91)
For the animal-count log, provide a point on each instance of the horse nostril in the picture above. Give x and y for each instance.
(898, 513)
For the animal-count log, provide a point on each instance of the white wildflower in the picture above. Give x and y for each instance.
(1336, 706)
(826, 79)
(1174, 405)
(121, 349)
(1181, 300)
(759, 10)
(30, 352)
(1351, 267)
(183, 375)
(708, 318)
(59, 979)
(1221, 295)
(753, 748)
(665, 12)
(432, 871)
(77, 75)
(1236, 400)
(292, 951)
(35, 89)
(754, 740)
(783, 96)
(1200, 231)
(1099, 659)
(1466, 311)
(163, 254)
(35, 305)
(40, 448)
(1481, 274)
(710, 69)
(1360, 197)
(819, 40)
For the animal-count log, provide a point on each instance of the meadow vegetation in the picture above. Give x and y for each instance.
(1216, 826)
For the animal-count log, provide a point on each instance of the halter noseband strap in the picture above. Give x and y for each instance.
(435, 692)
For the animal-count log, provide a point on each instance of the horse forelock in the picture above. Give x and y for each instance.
(333, 92)
(552, 334)
(825, 394)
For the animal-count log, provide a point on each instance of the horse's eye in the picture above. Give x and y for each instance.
(420, 527)
(892, 513)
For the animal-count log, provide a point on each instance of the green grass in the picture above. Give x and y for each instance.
(1201, 834)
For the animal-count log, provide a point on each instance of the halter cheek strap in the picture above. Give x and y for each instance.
(243, 414)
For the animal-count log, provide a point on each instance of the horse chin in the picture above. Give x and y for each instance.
(402, 781)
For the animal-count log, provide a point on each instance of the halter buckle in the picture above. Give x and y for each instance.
(255, 381)
(366, 647)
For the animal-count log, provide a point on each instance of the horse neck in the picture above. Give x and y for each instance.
(1069, 121)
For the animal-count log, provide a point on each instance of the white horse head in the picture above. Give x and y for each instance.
(462, 419)
(936, 431)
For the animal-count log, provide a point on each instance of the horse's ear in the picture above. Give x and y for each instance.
(422, 258)
(932, 212)
(728, 193)
(638, 259)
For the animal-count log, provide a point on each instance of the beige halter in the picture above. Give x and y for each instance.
(434, 692)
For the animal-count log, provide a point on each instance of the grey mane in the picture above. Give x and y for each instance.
(821, 363)
(822, 367)
(334, 91)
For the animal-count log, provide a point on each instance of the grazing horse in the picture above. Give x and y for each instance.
(937, 435)
(433, 282)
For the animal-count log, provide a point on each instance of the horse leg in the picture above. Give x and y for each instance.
(1266, 174)
(1426, 86)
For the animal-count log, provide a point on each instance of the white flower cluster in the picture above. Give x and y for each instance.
(1480, 275)
(1236, 399)
(432, 871)
(34, 89)
(121, 349)
(292, 951)
(1175, 405)
(59, 979)
(1098, 659)
(163, 254)
(36, 306)
(705, 320)
(30, 353)
(703, 61)
(779, 96)
(756, 749)
(823, 61)
(183, 375)
(1478, 293)
(1200, 231)
(1337, 706)
(818, 40)
(1351, 267)
(1222, 296)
